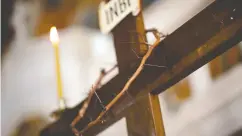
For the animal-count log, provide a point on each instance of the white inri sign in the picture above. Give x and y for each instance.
(113, 12)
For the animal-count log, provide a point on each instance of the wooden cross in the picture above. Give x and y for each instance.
(144, 117)
(185, 51)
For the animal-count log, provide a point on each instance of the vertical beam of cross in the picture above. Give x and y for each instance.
(144, 118)
(127, 37)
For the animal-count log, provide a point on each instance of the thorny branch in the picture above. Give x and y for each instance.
(82, 111)
(158, 36)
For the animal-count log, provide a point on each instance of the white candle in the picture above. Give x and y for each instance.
(54, 38)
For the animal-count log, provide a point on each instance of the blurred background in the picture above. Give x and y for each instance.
(207, 102)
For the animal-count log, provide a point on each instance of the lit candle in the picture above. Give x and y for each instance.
(54, 38)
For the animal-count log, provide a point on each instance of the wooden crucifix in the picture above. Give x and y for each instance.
(124, 19)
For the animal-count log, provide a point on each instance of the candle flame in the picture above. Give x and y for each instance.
(54, 38)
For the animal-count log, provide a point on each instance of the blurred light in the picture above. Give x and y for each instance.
(100, 45)
(150, 38)
(54, 38)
